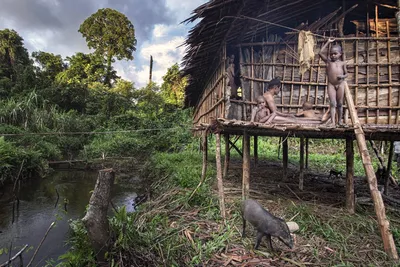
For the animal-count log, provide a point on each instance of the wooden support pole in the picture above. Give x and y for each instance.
(301, 175)
(350, 198)
(236, 148)
(388, 242)
(246, 166)
(307, 143)
(204, 148)
(95, 220)
(255, 150)
(285, 157)
(398, 17)
(381, 161)
(221, 195)
(389, 168)
(227, 155)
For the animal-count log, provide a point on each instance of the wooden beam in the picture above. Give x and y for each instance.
(255, 150)
(350, 199)
(205, 155)
(227, 155)
(307, 143)
(236, 148)
(246, 165)
(301, 175)
(389, 168)
(221, 195)
(285, 157)
(388, 242)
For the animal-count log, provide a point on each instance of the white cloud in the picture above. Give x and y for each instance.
(166, 50)
(183, 9)
(52, 26)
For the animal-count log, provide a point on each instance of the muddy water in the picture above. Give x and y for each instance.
(37, 211)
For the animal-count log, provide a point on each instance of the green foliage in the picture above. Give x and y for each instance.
(15, 66)
(80, 253)
(123, 87)
(49, 66)
(83, 70)
(110, 34)
(12, 157)
(173, 86)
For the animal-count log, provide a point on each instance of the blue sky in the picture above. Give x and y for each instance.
(52, 26)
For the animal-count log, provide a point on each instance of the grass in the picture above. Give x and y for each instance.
(169, 230)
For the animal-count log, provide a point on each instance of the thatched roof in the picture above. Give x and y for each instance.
(229, 20)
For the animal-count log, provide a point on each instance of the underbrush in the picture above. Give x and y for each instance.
(173, 229)
(170, 229)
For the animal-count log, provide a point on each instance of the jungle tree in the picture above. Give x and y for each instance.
(14, 59)
(173, 86)
(49, 65)
(110, 34)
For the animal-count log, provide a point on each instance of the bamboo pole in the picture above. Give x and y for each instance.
(388, 242)
(356, 69)
(307, 144)
(301, 176)
(255, 150)
(367, 88)
(285, 157)
(350, 198)
(219, 175)
(389, 168)
(204, 148)
(350, 39)
(398, 17)
(246, 165)
(227, 155)
(377, 60)
(390, 73)
(291, 86)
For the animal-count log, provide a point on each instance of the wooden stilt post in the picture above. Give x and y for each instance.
(350, 199)
(255, 150)
(307, 142)
(389, 168)
(279, 147)
(388, 242)
(285, 157)
(204, 148)
(221, 195)
(301, 175)
(246, 165)
(227, 155)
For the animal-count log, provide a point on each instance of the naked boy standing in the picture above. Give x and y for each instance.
(337, 71)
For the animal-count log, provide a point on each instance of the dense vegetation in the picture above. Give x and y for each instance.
(55, 108)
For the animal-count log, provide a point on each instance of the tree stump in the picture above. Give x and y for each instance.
(95, 220)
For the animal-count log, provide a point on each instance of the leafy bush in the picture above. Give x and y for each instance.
(12, 157)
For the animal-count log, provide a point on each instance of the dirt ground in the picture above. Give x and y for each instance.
(328, 235)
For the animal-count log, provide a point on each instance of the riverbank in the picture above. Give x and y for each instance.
(172, 230)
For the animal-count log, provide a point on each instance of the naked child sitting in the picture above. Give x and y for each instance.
(261, 113)
(273, 89)
(308, 111)
(337, 72)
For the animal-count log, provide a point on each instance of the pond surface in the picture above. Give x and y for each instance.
(37, 211)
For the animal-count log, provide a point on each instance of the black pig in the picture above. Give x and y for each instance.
(265, 224)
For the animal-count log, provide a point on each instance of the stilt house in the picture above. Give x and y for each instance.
(238, 46)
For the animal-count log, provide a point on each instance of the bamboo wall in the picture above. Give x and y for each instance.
(372, 63)
(211, 103)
